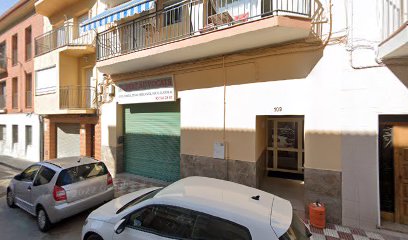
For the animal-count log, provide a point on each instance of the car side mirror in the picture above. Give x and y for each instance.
(120, 226)
(17, 177)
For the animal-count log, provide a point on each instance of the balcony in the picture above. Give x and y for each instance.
(202, 28)
(67, 100)
(395, 30)
(67, 39)
(77, 97)
(50, 7)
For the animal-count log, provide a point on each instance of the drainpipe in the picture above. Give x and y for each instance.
(40, 117)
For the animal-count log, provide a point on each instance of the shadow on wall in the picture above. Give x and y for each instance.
(271, 68)
(400, 70)
(341, 170)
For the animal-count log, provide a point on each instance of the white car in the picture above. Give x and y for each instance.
(196, 208)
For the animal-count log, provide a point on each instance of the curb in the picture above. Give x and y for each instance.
(10, 166)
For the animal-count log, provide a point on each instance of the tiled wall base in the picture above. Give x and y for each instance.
(324, 186)
(242, 172)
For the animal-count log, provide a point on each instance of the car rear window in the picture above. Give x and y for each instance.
(80, 173)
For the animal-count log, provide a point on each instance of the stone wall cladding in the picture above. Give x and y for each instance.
(324, 186)
(246, 173)
(260, 168)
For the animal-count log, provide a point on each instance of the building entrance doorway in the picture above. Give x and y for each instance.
(393, 167)
(285, 150)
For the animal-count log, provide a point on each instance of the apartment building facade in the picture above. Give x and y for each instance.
(243, 90)
(20, 131)
(65, 89)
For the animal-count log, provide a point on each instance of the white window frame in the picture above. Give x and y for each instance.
(299, 150)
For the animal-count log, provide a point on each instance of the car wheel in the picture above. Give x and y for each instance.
(94, 237)
(10, 199)
(43, 221)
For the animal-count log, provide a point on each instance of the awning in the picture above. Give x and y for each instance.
(115, 14)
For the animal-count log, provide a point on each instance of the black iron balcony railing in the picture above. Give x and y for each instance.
(67, 35)
(2, 102)
(190, 18)
(77, 97)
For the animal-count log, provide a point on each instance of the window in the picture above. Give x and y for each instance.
(44, 176)
(15, 133)
(140, 199)
(176, 222)
(29, 174)
(29, 90)
(3, 57)
(80, 20)
(285, 144)
(14, 95)
(164, 220)
(3, 135)
(80, 173)
(28, 44)
(173, 15)
(14, 54)
(29, 135)
(209, 227)
(3, 95)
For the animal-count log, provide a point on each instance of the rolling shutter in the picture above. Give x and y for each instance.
(68, 140)
(152, 140)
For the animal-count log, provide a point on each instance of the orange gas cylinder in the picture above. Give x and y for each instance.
(317, 214)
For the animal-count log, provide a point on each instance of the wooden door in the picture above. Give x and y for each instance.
(400, 142)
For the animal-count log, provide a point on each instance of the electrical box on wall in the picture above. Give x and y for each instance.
(219, 150)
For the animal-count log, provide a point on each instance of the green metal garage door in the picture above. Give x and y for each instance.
(152, 140)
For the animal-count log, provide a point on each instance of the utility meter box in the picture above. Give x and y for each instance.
(219, 150)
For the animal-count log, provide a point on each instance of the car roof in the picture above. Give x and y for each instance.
(224, 196)
(69, 162)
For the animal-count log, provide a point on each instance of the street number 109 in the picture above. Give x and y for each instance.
(277, 109)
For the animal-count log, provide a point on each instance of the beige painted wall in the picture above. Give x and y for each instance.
(68, 74)
(78, 9)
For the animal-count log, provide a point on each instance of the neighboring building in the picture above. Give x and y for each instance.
(65, 89)
(19, 125)
(245, 89)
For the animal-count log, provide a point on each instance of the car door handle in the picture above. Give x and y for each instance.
(29, 188)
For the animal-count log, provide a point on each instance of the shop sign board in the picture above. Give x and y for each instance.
(146, 91)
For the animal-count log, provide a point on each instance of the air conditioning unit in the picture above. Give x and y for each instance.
(111, 90)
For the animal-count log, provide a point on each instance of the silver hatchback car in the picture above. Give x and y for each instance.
(57, 189)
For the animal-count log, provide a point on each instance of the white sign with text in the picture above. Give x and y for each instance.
(146, 91)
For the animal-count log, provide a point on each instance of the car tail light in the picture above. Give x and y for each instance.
(109, 181)
(59, 193)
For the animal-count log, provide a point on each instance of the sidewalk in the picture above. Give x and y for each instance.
(15, 163)
(126, 183)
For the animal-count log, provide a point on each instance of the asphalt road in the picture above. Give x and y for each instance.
(18, 224)
(6, 174)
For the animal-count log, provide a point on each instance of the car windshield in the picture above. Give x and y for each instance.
(139, 200)
(297, 230)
